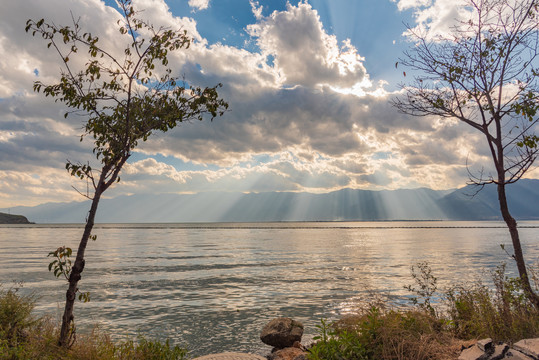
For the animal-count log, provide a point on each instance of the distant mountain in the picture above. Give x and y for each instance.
(13, 219)
(342, 205)
(467, 203)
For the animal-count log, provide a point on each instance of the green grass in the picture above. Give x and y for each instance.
(24, 336)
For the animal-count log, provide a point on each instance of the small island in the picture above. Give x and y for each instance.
(13, 219)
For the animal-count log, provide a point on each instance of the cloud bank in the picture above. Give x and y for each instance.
(304, 113)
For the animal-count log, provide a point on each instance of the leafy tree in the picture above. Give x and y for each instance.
(125, 99)
(485, 75)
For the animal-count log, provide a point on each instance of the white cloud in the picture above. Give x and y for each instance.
(304, 53)
(157, 12)
(408, 4)
(436, 18)
(256, 9)
(199, 4)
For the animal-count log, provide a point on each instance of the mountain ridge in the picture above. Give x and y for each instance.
(340, 205)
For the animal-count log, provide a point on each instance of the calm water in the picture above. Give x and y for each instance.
(211, 287)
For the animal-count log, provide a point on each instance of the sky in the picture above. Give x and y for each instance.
(308, 85)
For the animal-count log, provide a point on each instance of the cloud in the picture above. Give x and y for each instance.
(157, 12)
(199, 4)
(409, 4)
(304, 53)
(256, 9)
(291, 125)
(436, 18)
(32, 188)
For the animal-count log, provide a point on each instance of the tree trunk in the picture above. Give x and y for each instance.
(517, 248)
(76, 271)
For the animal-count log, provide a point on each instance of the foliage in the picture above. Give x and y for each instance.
(61, 265)
(440, 322)
(125, 98)
(335, 346)
(503, 313)
(145, 349)
(427, 286)
(376, 334)
(15, 319)
(24, 336)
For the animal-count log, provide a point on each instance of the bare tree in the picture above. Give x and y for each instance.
(126, 99)
(485, 75)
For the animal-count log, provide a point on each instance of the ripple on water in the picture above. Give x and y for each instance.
(213, 287)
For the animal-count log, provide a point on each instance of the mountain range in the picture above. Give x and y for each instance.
(344, 205)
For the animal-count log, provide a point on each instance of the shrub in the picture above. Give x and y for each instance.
(502, 313)
(385, 334)
(145, 349)
(337, 345)
(440, 322)
(24, 336)
(16, 321)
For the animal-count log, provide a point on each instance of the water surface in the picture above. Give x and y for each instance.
(211, 287)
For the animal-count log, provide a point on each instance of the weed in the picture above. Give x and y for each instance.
(502, 313)
(337, 346)
(440, 322)
(23, 336)
(426, 286)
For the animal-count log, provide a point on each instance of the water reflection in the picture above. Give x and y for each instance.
(213, 286)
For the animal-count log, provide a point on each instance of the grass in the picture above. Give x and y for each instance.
(428, 330)
(24, 336)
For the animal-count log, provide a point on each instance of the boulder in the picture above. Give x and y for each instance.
(291, 353)
(486, 349)
(499, 352)
(486, 345)
(529, 347)
(473, 353)
(516, 355)
(281, 332)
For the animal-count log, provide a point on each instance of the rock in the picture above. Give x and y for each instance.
(485, 349)
(486, 345)
(290, 353)
(499, 352)
(529, 347)
(473, 353)
(516, 355)
(281, 332)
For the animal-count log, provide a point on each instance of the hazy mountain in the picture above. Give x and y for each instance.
(347, 204)
(466, 203)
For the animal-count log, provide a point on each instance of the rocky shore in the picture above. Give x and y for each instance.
(284, 335)
(486, 349)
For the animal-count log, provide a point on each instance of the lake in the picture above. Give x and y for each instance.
(212, 287)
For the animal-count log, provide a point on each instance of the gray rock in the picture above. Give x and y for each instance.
(486, 345)
(473, 353)
(282, 332)
(516, 355)
(499, 352)
(529, 347)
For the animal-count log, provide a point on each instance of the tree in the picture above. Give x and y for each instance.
(485, 75)
(125, 99)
